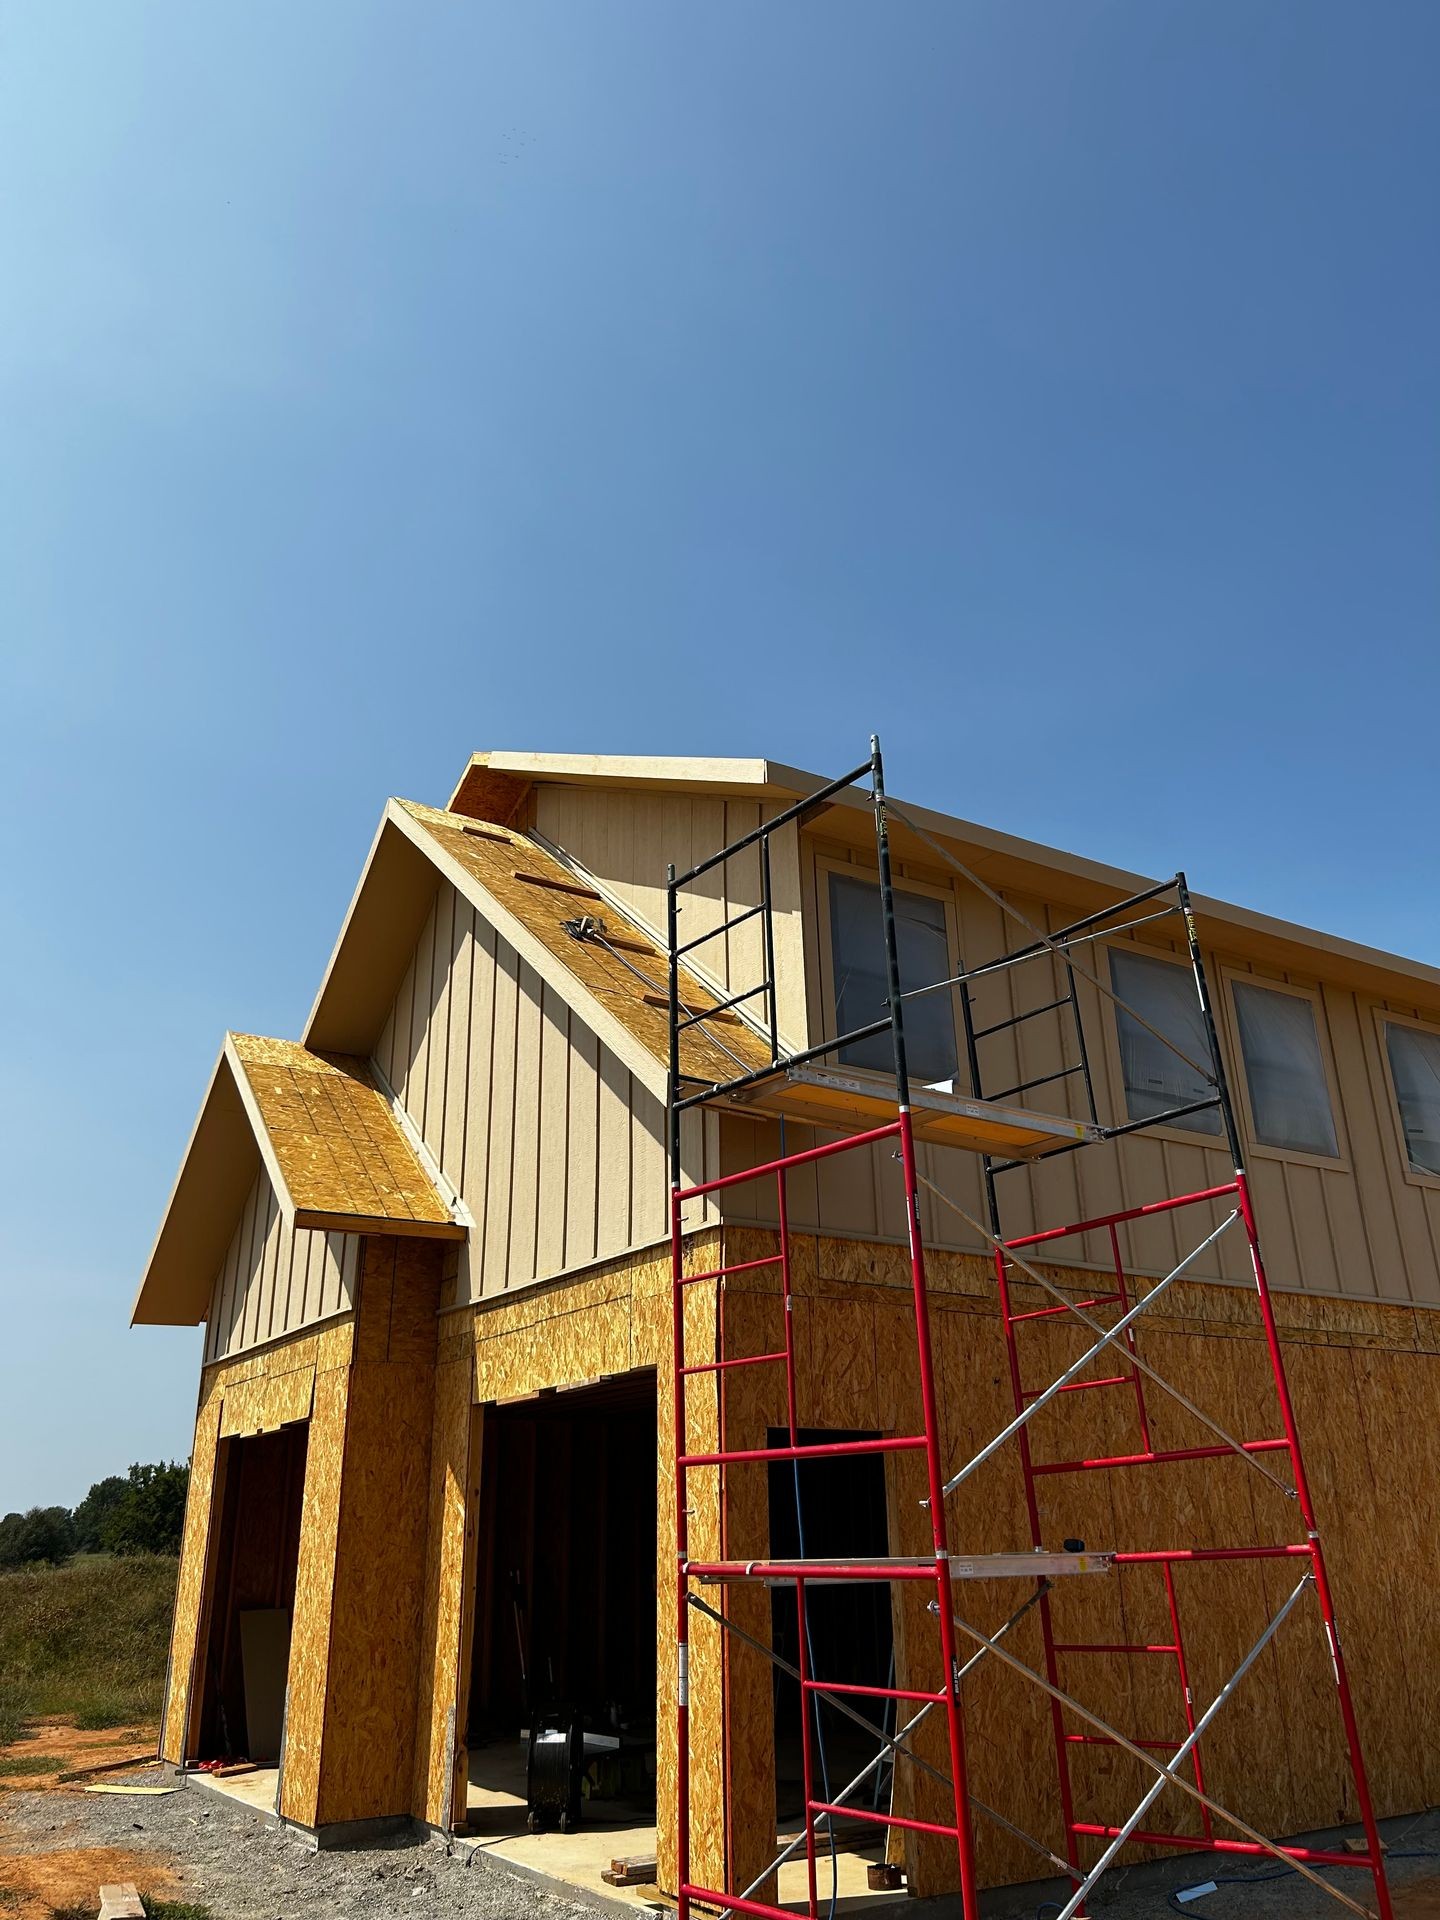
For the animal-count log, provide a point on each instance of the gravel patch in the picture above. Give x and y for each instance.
(242, 1867)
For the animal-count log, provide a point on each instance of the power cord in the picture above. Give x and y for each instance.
(1283, 1873)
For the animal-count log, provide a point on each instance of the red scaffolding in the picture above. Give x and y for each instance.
(977, 1120)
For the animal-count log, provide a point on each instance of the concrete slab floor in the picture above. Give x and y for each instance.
(496, 1806)
(257, 1789)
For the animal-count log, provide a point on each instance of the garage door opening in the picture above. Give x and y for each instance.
(832, 1509)
(565, 1601)
(247, 1649)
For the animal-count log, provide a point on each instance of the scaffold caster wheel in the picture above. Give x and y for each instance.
(566, 1822)
(532, 1822)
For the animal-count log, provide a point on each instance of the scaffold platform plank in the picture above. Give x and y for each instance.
(822, 1096)
(963, 1566)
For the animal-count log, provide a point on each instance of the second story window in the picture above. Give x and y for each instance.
(1162, 993)
(857, 953)
(1285, 1070)
(1414, 1056)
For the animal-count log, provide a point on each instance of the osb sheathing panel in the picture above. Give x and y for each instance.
(616, 1319)
(1366, 1384)
(543, 910)
(190, 1587)
(379, 1571)
(267, 1385)
(307, 1684)
(339, 1148)
(260, 1406)
(448, 1575)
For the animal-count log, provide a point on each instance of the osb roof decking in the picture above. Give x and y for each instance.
(336, 1144)
(632, 988)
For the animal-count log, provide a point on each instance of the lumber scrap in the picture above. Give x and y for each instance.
(631, 1870)
(120, 1900)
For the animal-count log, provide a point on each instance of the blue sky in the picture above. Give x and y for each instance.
(1054, 386)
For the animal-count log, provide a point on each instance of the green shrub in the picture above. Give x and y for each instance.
(88, 1640)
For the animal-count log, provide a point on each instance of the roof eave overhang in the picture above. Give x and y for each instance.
(217, 1170)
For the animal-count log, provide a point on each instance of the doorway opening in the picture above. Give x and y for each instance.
(831, 1509)
(565, 1599)
(247, 1646)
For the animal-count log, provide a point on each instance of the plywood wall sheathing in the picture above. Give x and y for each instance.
(614, 1320)
(307, 1684)
(253, 1393)
(190, 1586)
(367, 1386)
(379, 1569)
(260, 1406)
(1366, 1381)
(449, 1575)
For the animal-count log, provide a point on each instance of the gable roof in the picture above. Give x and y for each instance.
(330, 1146)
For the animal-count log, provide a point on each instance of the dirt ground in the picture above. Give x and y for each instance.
(53, 1746)
(58, 1845)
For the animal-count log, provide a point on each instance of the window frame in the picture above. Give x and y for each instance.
(1115, 1063)
(904, 882)
(1384, 1017)
(1339, 1161)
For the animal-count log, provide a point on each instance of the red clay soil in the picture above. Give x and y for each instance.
(37, 1886)
(65, 1748)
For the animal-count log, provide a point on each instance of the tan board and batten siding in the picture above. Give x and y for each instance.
(555, 1148)
(626, 840)
(1360, 1227)
(276, 1279)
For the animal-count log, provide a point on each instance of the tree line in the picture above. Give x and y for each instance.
(142, 1511)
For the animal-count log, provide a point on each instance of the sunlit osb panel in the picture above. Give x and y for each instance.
(307, 1686)
(631, 981)
(340, 1150)
(190, 1588)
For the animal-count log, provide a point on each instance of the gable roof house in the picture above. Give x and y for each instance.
(433, 1476)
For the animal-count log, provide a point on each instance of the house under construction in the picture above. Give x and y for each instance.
(1016, 1278)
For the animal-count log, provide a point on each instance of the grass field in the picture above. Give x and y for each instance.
(86, 1640)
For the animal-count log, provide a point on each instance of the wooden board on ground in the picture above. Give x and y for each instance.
(121, 1901)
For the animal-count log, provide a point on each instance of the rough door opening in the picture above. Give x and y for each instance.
(565, 1594)
(835, 1510)
(247, 1648)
